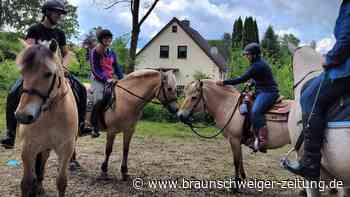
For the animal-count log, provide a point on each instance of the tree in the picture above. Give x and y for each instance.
(256, 32)
(291, 39)
(270, 44)
(20, 14)
(136, 22)
(237, 33)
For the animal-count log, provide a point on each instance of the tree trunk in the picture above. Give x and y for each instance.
(134, 34)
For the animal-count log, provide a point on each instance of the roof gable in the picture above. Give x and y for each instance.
(218, 59)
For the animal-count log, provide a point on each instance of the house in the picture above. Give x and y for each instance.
(180, 48)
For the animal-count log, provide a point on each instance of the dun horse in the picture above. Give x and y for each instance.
(47, 116)
(220, 102)
(335, 160)
(132, 94)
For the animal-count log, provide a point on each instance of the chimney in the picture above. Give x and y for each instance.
(186, 22)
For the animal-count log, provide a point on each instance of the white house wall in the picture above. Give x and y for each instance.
(196, 60)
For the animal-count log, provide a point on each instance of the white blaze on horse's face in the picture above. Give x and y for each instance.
(37, 67)
(193, 102)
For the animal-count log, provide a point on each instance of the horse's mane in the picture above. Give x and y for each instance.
(211, 83)
(142, 73)
(38, 54)
(305, 60)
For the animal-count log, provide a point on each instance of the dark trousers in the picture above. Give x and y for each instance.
(315, 101)
(263, 102)
(14, 96)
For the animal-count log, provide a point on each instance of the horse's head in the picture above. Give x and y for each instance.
(38, 66)
(306, 64)
(167, 91)
(194, 101)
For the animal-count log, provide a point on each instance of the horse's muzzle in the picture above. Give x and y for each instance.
(28, 116)
(183, 117)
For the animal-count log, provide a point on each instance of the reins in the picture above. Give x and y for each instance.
(193, 128)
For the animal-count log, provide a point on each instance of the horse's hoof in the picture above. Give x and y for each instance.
(40, 190)
(302, 192)
(104, 177)
(74, 165)
(125, 177)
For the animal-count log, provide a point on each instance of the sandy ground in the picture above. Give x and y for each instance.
(154, 158)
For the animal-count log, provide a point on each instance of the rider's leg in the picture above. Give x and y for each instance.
(12, 102)
(262, 103)
(315, 123)
(81, 99)
(97, 94)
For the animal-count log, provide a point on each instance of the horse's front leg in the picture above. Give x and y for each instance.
(126, 143)
(109, 148)
(40, 169)
(237, 159)
(64, 157)
(29, 181)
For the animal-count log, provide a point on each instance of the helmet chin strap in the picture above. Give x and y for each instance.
(48, 16)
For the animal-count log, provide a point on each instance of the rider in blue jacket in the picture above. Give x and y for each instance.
(266, 90)
(334, 82)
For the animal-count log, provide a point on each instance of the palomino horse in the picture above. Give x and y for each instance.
(220, 102)
(132, 94)
(47, 116)
(335, 161)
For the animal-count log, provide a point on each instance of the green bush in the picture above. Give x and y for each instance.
(157, 113)
(8, 74)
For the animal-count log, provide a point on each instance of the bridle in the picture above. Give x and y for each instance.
(202, 98)
(161, 90)
(44, 97)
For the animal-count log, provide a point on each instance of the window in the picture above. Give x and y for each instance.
(182, 52)
(164, 52)
(174, 29)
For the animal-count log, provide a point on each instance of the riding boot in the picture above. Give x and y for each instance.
(94, 121)
(12, 102)
(262, 139)
(310, 163)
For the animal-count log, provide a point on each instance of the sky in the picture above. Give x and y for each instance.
(307, 19)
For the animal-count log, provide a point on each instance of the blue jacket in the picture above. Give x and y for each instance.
(261, 74)
(339, 55)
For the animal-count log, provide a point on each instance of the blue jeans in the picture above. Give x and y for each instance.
(263, 102)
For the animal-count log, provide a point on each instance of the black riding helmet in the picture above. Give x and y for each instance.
(252, 49)
(53, 5)
(104, 33)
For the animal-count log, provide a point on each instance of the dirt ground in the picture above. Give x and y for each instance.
(152, 158)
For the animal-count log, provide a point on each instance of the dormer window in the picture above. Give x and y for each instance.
(174, 29)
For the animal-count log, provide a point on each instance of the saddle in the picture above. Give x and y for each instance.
(278, 113)
(107, 102)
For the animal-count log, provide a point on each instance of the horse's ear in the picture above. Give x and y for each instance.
(292, 48)
(53, 45)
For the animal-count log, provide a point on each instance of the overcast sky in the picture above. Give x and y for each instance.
(307, 19)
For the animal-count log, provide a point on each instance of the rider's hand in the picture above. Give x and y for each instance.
(219, 82)
(110, 80)
(325, 65)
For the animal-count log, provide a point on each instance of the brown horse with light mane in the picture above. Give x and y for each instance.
(220, 102)
(132, 94)
(47, 116)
